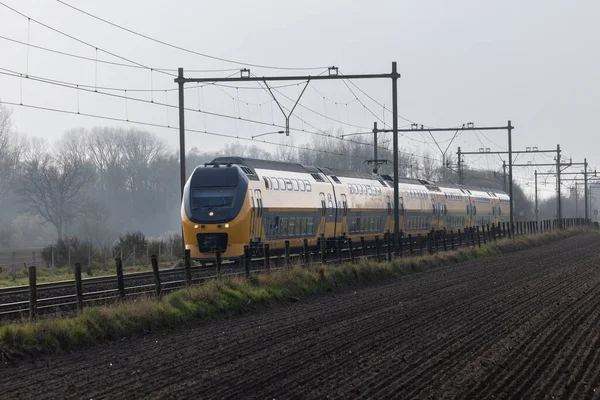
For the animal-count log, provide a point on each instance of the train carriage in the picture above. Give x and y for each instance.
(232, 202)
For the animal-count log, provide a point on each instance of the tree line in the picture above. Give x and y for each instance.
(96, 184)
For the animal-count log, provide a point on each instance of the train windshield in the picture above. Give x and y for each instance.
(212, 197)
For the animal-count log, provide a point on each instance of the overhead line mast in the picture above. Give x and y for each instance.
(333, 75)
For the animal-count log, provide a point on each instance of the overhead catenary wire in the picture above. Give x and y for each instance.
(378, 103)
(162, 42)
(126, 97)
(118, 64)
(79, 40)
(104, 117)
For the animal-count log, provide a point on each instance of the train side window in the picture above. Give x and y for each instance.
(303, 226)
(301, 185)
(308, 186)
(288, 184)
(295, 185)
(292, 226)
(309, 226)
(274, 183)
(283, 227)
(298, 230)
(281, 183)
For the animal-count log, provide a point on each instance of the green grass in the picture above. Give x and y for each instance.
(98, 324)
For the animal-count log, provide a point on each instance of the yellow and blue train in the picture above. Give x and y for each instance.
(233, 201)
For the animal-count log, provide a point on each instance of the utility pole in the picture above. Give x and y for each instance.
(504, 174)
(559, 210)
(585, 189)
(395, 76)
(510, 175)
(460, 174)
(536, 197)
(182, 175)
(576, 208)
(375, 146)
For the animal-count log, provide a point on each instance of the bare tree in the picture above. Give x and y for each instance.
(11, 148)
(53, 187)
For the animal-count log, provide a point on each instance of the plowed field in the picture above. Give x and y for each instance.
(524, 325)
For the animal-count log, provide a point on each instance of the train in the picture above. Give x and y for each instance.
(231, 202)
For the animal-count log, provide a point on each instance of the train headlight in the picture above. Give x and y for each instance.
(195, 226)
(211, 214)
(226, 226)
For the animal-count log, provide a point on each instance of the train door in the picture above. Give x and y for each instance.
(443, 212)
(258, 226)
(331, 216)
(435, 212)
(252, 215)
(471, 212)
(344, 211)
(438, 212)
(323, 214)
(469, 221)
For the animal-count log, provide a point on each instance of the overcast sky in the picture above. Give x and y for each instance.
(533, 62)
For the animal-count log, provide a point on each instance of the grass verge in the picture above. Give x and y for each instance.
(98, 324)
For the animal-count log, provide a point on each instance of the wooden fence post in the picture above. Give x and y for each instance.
(267, 257)
(377, 249)
(187, 266)
(218, 262)
(120, 280)
(157, 284)
(78, 287)
(389, 247)
(398, 243)
(247, 260)
(306, 253)
(362, 246)
(429, 244)
(452, 239)
(444, 239)
(287, 254)
(410, 244)
(338, 248)
(351, 250)
(323, 246)
(420, 244)
(32, 292)
(483, 234)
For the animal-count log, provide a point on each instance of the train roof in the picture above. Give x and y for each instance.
(262, 164)
(254, 163)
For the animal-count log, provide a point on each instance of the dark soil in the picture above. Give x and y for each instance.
(523, 325)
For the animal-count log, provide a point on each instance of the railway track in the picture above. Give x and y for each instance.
(61, 298)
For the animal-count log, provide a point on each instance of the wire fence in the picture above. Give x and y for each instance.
(56, 259)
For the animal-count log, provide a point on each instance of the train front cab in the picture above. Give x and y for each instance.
(216, 212)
